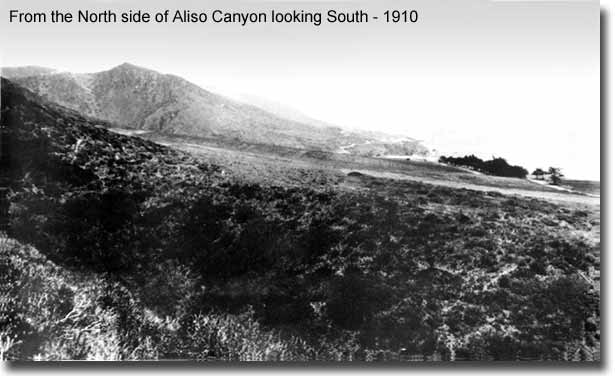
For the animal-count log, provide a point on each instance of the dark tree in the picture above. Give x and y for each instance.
(539, 173)
(555, 175)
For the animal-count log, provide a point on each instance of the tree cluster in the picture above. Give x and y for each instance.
(494, 166)
(553, 175)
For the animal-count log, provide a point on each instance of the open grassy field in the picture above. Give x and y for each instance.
(585, 186)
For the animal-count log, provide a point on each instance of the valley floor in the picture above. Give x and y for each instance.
(276, 165)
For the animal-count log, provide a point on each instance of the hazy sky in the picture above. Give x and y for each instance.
(517, 79)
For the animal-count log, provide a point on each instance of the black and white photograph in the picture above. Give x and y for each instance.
(300, 181)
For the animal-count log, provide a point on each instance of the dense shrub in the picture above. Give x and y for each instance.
(148, 253)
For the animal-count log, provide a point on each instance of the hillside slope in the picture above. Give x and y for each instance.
(144, 252)
(134, 97)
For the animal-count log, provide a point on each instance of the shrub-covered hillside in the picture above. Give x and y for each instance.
(119, 248)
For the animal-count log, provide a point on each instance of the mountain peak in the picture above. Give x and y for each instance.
(130, 68)
(128, 65)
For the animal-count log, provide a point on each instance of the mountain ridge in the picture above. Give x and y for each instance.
(133, 97)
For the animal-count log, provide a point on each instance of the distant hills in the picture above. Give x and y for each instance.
(281, 110)
(25, 71)
(129, 96)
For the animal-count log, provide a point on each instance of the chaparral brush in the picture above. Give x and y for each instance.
(373, 183)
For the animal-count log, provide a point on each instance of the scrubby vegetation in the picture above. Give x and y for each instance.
(494, 166)
(119, 248)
